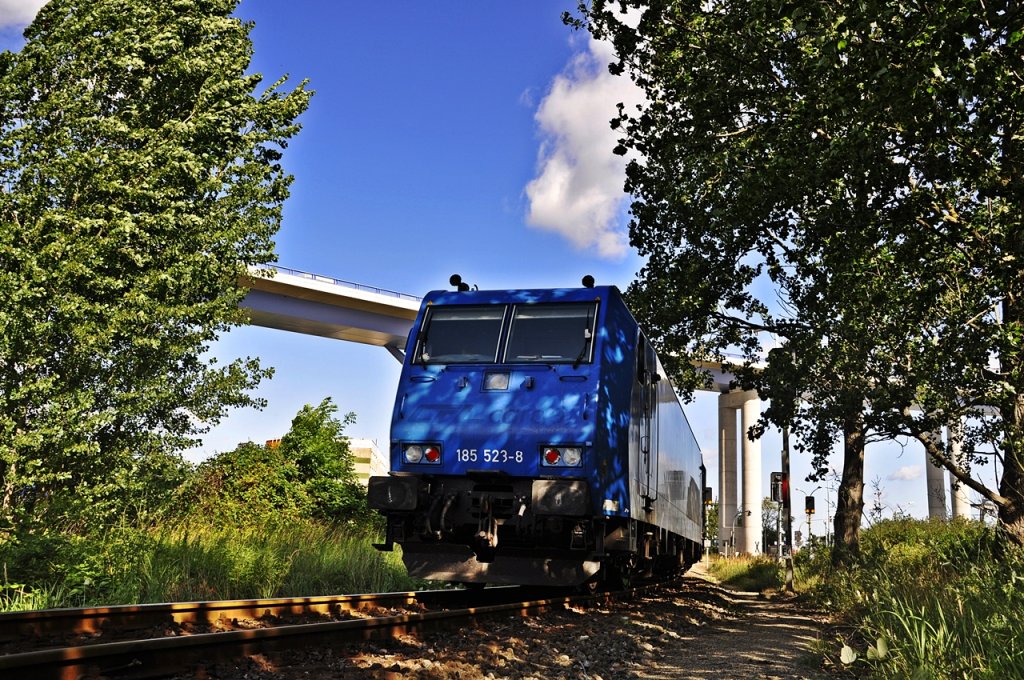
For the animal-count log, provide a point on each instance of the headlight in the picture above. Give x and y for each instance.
(413, 454)
(494, 382)
(572, 456)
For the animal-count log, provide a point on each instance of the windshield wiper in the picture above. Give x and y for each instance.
(587, 338)
(423, 355)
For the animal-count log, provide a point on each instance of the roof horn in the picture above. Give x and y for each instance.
(456, 281)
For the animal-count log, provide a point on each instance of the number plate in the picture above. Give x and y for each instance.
(490, 456)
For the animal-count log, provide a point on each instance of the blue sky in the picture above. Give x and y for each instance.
(446, 137)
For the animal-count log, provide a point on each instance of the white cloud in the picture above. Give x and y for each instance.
(578, 189)
(18, 12)
(906, 473)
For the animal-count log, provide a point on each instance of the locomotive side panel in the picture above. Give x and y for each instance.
(665, 460)
(612, 483)
(679, 476)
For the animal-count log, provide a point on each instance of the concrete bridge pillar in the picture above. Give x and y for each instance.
(936, 482)
(747, 498)
(726, 472)
(752, 494)
(959, 501)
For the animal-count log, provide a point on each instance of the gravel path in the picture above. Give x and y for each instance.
(762, 639)
(691, 630)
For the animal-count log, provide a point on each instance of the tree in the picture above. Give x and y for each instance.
(320, 451)
(309, 473)
(711, 525)
(251, 485)
(846, 178)
(139, 180)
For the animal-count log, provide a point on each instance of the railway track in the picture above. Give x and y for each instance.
(120, 652)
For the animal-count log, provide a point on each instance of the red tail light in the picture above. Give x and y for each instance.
(552, 456)
(432, 454)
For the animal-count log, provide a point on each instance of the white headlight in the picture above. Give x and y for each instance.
(495, 381)
(413, 454)
(572, 456)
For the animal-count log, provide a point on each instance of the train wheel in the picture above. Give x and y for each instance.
(620, 576)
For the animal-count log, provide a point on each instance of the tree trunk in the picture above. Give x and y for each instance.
(1011, 516)
(850, 499)
(1011, 486)
(7, 500)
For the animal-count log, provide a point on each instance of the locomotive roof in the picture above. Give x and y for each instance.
(529, 295)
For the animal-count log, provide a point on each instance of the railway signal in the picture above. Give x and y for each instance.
(780, 487)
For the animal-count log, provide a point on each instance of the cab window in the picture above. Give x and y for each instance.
(551, 333)
(461, 334)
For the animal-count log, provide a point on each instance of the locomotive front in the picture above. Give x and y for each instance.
(493, 439)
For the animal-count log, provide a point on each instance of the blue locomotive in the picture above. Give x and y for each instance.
(536, 440)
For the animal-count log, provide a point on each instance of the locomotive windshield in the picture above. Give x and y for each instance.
(551, 333)
(461, 334)
(542, 333)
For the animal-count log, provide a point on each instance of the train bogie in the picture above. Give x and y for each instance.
(536, 439)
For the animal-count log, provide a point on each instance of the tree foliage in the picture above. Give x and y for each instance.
(845, 179)
(711, 524)
(309, 473)
(322, 457)
(140, 177)
(251, 485)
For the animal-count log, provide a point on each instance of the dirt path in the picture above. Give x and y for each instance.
(760, 639)
(693, 629)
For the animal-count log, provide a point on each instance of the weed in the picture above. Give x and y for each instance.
(756, 573)
(196, 562)
(931, 600)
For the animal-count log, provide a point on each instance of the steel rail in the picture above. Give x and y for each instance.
(55, 622)
(169, 655)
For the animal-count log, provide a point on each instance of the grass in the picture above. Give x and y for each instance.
(751, 574)
(127, 566)
(930, 600)
(926, 600)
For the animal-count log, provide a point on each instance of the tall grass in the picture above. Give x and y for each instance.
(127, 566)
(752, 574)
(927, 600)
(932, 600)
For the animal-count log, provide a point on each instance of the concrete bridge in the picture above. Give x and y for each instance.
(292, 300)
(313, 304)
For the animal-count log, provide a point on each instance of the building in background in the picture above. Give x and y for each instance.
(368, 459)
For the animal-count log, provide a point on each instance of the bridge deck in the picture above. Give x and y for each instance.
(318, 305)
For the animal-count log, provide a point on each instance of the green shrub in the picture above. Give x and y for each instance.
(308, 474)
(245, 487)
(931, 600)
(73, 569)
